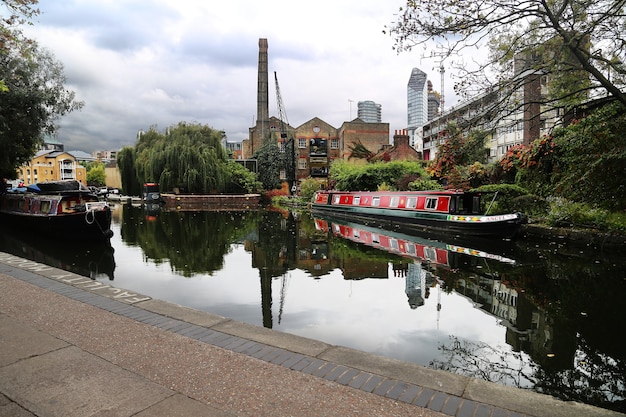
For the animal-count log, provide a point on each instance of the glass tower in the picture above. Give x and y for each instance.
(417, 104)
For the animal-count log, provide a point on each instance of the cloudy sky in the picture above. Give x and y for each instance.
(139, 63)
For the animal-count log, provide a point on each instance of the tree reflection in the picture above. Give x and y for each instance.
(192, 242)
(489, 363)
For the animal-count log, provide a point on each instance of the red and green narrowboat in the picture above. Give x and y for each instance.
(451, 211)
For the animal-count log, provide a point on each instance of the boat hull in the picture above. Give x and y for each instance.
(82, 226)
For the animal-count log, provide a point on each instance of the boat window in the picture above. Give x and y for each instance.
(476, 204)
(356, 200)
(411, 202)
(336, 200)
(394, 201)
(410, 248)
(431, 203)
(375, 201)
(430, 254)
(375, 238)
(44, 207)
(393, 244)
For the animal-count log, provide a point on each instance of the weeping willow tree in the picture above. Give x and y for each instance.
(126, 164)
(187, 156)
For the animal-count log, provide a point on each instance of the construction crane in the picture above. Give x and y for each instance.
(290, 161)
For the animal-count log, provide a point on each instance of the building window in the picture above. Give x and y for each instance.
(281, 147)
(334, 144)
(302, 163)
(283, 174)
(301, 143)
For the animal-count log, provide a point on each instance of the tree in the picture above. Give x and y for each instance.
(270, 162)
(32, 93)
(95, 174)
(458, 150)
(187, 156)
(126, 164)
(578, 45)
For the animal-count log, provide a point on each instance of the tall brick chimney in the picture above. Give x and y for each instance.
(263, 84)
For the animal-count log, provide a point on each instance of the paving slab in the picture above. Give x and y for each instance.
(20, 341)
(72, 383)
(181, 406)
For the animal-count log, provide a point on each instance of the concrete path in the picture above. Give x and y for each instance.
(71, 346)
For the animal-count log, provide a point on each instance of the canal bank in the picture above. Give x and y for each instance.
(77, 347)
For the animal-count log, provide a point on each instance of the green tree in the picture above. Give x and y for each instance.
(126, 164)
(32, 92)
(96, 175)
(187, 156)
(585, 162)
(270, 161)
(579, 45)
(240, 179)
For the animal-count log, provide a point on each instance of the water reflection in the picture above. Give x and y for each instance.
(94, 260)
(541, 315)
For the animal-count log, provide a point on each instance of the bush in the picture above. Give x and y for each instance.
(422, 184)
(369, 177)
(531, 205)
(308, 187)
(564, 213)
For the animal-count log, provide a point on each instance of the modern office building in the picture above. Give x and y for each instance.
(370, 112)
(417, 105)
(434, 102)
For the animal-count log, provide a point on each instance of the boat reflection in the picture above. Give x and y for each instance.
(90, 259)
(422, 249)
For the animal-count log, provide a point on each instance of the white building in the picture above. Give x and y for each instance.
(370, 112)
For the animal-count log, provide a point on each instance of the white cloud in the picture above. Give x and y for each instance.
(137, 64)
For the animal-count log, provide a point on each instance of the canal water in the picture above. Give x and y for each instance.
(541, 315)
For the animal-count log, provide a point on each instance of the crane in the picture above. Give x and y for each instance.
(290, 161)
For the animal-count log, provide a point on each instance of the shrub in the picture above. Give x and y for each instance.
(422, 184)
(564, 213)
(531, 205)
(308, 187)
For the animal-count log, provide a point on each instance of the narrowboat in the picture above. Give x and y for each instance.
(65, 210)
(451, 211)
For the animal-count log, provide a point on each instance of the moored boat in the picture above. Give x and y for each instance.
(452, 211)
(65, 210)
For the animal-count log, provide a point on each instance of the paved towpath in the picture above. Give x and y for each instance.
(71, 346)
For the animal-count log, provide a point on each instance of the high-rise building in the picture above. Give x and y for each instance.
(417, 105)
(434, 101)
(369, 112)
